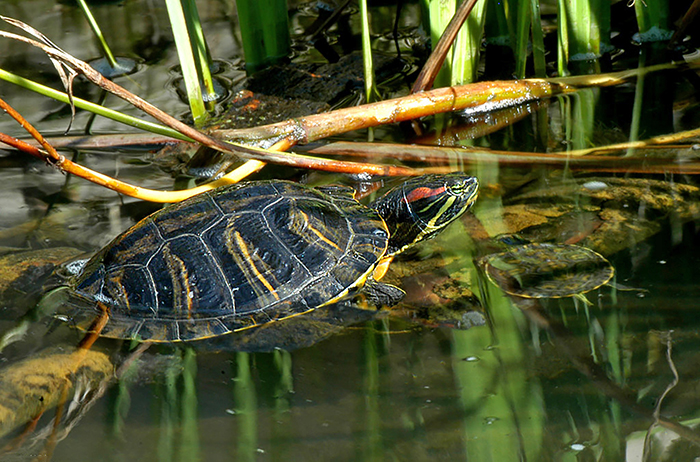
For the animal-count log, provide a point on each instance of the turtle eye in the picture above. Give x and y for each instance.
(460, 188)
(456, 189)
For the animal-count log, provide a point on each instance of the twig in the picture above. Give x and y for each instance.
(65, 165)
(427, 75)
(245, 152)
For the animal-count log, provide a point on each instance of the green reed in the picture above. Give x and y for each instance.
(98, 33)
(264, 28)
(246, 409)
(188, 56)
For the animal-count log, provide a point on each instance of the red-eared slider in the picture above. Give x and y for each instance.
(252, 253)
(547, 270)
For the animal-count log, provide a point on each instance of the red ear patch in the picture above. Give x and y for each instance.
(422, 193)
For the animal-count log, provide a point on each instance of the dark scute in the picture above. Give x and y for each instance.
(200, 212)
(220, 241)
(274, 263)
(90, 280)
(185, 272)
(149, 330)
(367, 247)
(132, 247)
(188, 328)
(246, 196)
(317, 294)
(316, 232)
(338, 191)
(129, 287)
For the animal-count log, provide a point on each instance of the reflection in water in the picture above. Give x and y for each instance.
(542, 379)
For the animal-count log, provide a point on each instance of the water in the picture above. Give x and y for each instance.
(552, 379)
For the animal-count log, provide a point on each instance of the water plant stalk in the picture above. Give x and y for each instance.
(538, 50)
(245, 407)
(187, 60)
(522, 37)
(264, 27)
(92, 107)
(189, 439)
(583, 35)
(653, 19)
(98, 33)
(456, 65)
(371, 93)
(167, 421)
(200, 50)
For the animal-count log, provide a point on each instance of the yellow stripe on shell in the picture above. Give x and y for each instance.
(179, 277)
(318, 233)
(247, 262)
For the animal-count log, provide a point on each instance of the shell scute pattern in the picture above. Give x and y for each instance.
(231, 259)
(179, 287)
(244, 194)
(135, 248)
(117, 284)
(200, 216)
(309, 233)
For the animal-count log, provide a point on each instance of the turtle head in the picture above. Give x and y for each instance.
(421, 207)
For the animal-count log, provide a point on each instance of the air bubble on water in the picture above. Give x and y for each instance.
(595, 185)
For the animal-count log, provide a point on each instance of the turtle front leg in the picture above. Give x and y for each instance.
(382, 294)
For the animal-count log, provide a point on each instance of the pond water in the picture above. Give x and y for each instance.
(459, 371)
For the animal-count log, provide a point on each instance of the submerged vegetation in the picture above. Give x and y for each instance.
(556, 322)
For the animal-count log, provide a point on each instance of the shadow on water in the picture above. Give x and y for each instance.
(459, 370)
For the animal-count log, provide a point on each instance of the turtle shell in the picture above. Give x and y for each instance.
(547, 270)
(229, 259)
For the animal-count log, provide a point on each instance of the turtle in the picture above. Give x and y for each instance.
(251, 253)
(547, 270)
